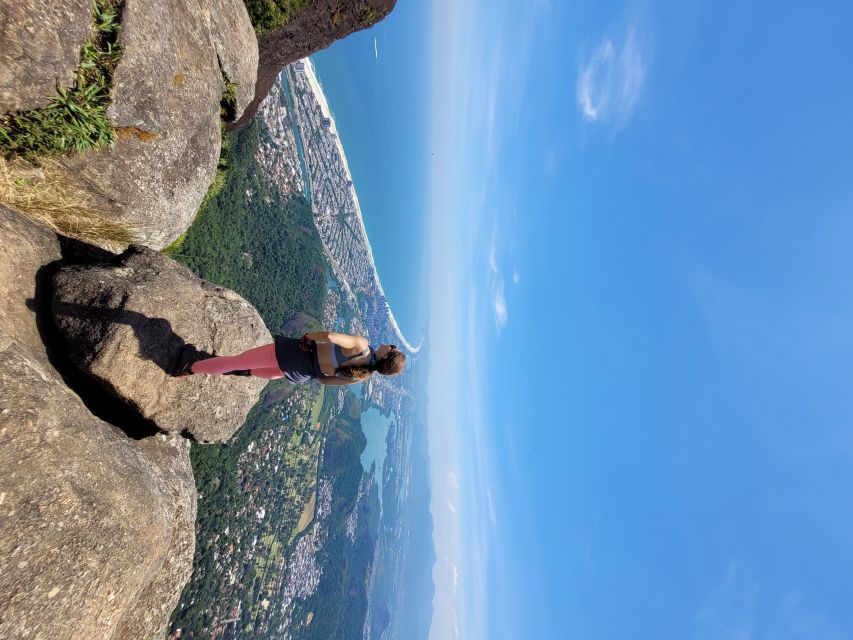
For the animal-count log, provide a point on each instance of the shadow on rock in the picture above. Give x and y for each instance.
(157, 341)
(129, 322)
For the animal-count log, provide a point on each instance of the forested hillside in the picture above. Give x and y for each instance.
(252, 240)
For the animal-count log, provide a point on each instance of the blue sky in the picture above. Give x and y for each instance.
(637, 222)
(642, 216)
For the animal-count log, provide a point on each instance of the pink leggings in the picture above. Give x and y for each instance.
(260, 360)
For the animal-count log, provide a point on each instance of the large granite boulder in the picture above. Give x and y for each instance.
(40, 43)
(308, 30)
(96, 529)
(165, 103)
(131, 322)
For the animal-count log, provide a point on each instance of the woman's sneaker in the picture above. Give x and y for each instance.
(189, 357)
(184, 371)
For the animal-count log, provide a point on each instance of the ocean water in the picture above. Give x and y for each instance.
(376, 85)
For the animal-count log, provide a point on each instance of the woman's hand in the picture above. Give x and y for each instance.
(350, 344)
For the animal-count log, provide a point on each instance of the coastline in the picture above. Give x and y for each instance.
(314, 82)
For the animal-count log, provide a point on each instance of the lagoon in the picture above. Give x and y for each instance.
(375, 427)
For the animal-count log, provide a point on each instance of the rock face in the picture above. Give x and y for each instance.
(128, 324)
(165, 103)
(310, 29)
(40, 44)
(96, 529)
(299, 323)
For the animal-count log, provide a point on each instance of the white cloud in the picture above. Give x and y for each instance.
(611, 80)
(375, 48)
(452, 480)
(516, 276)
(498, 288)
(493, 250)
(499, 304)
(595, 84)
(729, 608)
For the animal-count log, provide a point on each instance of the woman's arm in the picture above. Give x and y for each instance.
(350, 344)
(335, 382)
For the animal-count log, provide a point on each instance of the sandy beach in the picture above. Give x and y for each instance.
(324, 105)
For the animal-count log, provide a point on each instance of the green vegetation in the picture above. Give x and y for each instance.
(230, 490)
(368, 16)
(222, 167)
(76, 118)
(249, 239)
(228, 103)
(268, 15)
(269, 564)
(318, 406)
(39, 191)
(339, 603)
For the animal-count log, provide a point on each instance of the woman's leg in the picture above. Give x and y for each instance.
(257, 358)
(270, 373)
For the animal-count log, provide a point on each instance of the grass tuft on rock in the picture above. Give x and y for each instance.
(228, 103)
(76, 118)
(38, 191)
(268, 15)
(222, 167)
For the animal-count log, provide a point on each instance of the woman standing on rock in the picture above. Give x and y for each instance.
(332, 358)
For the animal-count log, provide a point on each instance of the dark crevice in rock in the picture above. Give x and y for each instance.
(79, 252)
(228, 104)
(97, 397)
